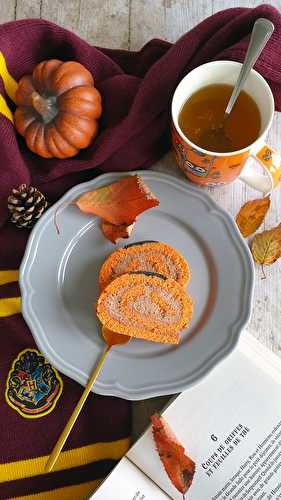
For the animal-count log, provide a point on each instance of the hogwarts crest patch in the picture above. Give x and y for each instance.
(33, 386)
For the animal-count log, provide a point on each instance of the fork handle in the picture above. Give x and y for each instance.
(66, 431)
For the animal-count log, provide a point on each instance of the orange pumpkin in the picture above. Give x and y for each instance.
(58, 108)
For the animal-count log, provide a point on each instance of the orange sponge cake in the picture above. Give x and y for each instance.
(147, 256)
(146, 306)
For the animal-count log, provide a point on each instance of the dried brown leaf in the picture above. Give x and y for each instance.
(266, 246)
(251, 215)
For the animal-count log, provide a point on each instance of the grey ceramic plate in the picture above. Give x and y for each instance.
(59, 276)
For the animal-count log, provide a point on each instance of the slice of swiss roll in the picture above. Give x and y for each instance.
(146, 306)
(147, 256)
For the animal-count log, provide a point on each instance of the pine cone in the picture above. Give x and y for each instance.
(26, 205)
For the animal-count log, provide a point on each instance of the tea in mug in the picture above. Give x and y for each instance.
(202, 114)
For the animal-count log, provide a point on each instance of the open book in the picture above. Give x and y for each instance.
(229, 424)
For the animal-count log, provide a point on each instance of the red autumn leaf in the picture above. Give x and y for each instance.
(119, 203)
(179, 467)
(114, 233)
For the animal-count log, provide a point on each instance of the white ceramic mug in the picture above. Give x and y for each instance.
(211, 168)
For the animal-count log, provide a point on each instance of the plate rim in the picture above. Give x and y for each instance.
(116, 388)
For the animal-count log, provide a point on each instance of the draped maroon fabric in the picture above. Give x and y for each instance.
(104, 421)
(136, 88)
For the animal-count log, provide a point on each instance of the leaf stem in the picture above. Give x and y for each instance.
(56, 214)
(263, 273)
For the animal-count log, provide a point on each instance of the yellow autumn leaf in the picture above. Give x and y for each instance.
(266, 246)
(251, 215)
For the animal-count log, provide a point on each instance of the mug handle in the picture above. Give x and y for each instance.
(270, 161)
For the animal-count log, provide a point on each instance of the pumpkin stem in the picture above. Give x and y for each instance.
(45, 106)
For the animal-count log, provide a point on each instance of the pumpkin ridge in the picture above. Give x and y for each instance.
(24, 90)
(68, 141)
(58, 94)
(81, 116)
(87, 106)
(46, 72)
(32, 137)
(43, 72)
(56, 143)
(21, 111)
(57, 79)
(35, 136)
(40, 142)
(62, 134)
(78, 87)
(49, 140)
(30, 125)
(88, 101)
(82, 119)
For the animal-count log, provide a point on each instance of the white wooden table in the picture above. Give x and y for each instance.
(129, 24)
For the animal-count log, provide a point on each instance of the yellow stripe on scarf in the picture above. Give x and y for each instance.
(5, 110)
(84, 455)
(10, 86)
(8, 276)
(10, 83)
(10, 306)
(78, 491)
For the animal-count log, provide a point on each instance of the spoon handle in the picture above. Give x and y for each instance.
(67, 429)
(262, 31)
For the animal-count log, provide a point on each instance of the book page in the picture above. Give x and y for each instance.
(260, 355)
(230, 425)
(127, 482)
